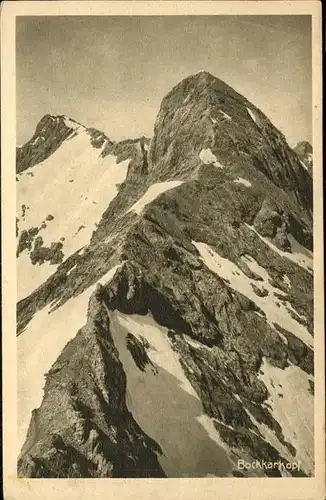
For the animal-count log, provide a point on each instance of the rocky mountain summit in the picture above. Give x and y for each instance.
(169, 301)
(304, 151)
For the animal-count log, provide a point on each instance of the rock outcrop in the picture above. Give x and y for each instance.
(49, 135)
(304, 151)
(88, 430)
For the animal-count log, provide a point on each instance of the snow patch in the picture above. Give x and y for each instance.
(195, 343)
(75, 184)
(70, 270)
(208, 424)
(190, 443)
(208, 157)
(252, 114)
(109, 275)
(187, 98)
(160, 351)
(29, 276)
(300, 255)
(228, 117)
(72, 124)
(35, 141)
(286, 281)
(276, 311)
(152, 193)
(300, 250)
(240, 180)
(39, 346)
(293, 410)
(271, 438)
(304, 165)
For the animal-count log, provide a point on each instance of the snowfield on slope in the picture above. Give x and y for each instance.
(30, 277)
(252, 115)
(39, 346)
(152, 193)
(208, 158)
(73, 186)
(292, 406)
(291, 401)
(276, 311)
(299, 255)
(240, 180)
(191, 445)
(72, 123)
(271, 438)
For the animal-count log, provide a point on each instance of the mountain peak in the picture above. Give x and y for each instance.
(201, 84)
(303, 147)
(178, 271)
(51, 131)
(49, 120)
(203, 75)
(204, 113)
(304, 152)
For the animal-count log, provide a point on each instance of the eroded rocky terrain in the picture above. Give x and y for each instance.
(179, 304)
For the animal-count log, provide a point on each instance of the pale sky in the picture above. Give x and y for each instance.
(113, 72)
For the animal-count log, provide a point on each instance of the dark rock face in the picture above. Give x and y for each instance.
(137, 349)
(268, 220)
(205, 100)
(220, 332)
(26, 239)
(50, 133)
(304, 151)
(98, 139)
(38, 252)
(41, 253)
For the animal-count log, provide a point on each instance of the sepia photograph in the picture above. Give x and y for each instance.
(165, 259)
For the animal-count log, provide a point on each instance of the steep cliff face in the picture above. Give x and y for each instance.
(83, 427)
(203, 112)
(203, 323)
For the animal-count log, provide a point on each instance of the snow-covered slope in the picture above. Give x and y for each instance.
(292, 404)
(269, 299)
(189, 448)
(152, 193)
(44, 339)
(63, 197)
